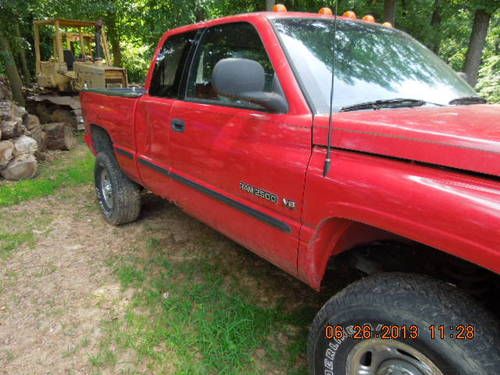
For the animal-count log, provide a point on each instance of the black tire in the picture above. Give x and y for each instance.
(118, 196)
(394, 299)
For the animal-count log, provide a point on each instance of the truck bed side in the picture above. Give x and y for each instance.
(113, 110)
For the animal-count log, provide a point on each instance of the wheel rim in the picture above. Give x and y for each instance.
(106, 188)
(388, 357)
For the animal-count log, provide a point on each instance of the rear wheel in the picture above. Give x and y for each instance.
(118, 196)
(403, 324)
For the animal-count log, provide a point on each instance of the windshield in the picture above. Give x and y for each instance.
(372, 62)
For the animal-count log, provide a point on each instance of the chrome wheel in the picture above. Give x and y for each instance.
(388, 357)
(106, 189)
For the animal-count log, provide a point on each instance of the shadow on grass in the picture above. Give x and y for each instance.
(205, 306)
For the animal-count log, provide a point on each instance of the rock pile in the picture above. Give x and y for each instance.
(23, 140)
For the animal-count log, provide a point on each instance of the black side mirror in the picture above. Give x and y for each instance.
(245, 79)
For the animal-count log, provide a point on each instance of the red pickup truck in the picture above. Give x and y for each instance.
(401, 188)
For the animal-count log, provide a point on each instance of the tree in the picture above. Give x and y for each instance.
(22, 56)
(436, 26)
(390, 11)
(476, 45)
(270, 5)
(11, 70)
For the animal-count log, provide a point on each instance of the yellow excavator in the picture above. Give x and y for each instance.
(78, 57)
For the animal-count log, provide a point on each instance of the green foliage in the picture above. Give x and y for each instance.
(136, 59)
(139, 24)
(489, 79)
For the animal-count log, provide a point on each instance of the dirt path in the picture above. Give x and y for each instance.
(55, 293)
(58, 289)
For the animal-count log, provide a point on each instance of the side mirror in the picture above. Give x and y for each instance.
(245, 79)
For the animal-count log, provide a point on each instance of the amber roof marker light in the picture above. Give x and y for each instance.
(325, 11)
(387, 24)
(369, 18)
(279, 8)
(350, 14)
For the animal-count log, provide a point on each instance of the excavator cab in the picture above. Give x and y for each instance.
(79, 57)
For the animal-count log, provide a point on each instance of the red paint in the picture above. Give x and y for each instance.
(374, 190)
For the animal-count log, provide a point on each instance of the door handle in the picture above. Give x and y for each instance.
(178, 125)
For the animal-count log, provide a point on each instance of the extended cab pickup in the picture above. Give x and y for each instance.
(401, 186)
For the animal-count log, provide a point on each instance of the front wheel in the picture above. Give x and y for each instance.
(118, 196)
(402, 324)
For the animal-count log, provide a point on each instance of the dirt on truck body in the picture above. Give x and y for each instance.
(401, 188)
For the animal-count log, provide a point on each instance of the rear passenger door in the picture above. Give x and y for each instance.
(235, 165)
(153, 114)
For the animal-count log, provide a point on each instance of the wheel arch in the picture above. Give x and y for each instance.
(101, 140)
(339, 236)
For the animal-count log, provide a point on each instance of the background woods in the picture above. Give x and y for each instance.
(466, 34)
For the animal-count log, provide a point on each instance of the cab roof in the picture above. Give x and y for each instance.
(256, 16)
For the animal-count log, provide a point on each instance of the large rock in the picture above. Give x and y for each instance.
(6, 153)
(11, 128)
(25, 145)
(22, 167)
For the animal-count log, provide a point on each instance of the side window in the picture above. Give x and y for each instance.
(239, 40)
(170, 64)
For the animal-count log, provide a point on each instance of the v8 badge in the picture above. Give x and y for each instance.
(289, 204)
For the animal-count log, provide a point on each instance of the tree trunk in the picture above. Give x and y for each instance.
(59, 136)
(390, 11)
(114, 38)
(16, 84)
(476, 45)
(270, 5)
(436, 26)
(200, 12)
(22, 57)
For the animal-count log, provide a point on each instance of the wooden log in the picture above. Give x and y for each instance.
(31, 122)
(41, 139)
(64, 115)
(11, 128)
(5, 93)
(7, 110)
(6, 153)
(59, 136)
(25, 145)
(22, 167)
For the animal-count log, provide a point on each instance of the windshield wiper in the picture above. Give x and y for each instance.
(468, 100)
(388, 103)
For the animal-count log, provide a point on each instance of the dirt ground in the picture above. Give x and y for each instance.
(58, 288)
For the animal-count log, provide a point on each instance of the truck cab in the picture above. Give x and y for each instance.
(321, 144)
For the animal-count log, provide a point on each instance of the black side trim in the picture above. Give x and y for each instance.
(124, 153)
(155, 167)
(214, 194)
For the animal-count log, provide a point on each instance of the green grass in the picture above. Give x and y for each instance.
(186, 319)
(76, 169)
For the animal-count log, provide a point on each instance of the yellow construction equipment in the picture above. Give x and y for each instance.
(77, 58)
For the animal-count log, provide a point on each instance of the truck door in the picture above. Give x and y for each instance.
(236, 166)
(153, 120)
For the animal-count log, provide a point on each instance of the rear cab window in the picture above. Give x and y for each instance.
(171, 65)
